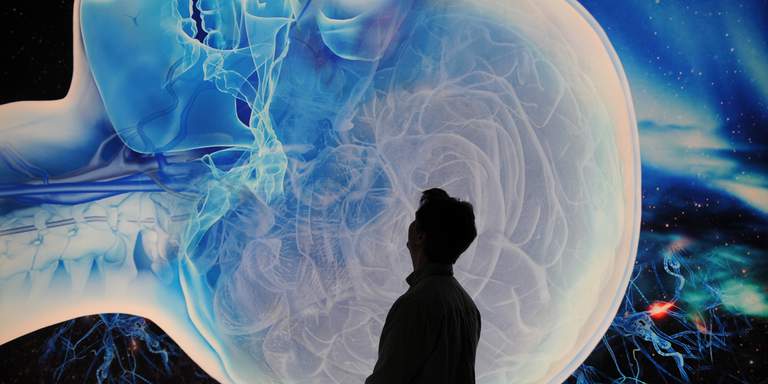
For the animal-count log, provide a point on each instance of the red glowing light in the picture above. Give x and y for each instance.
(659, 309)
(701, 326)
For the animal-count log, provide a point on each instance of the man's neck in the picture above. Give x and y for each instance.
(419, 260)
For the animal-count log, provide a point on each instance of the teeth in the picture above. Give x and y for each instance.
(41, 279)
(222, 21)
(207, 5)
(211, 21)
(78, 270)
(189, 27)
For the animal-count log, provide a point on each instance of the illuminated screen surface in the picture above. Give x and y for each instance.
(243, 174)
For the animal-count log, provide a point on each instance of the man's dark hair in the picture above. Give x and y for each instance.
(448, 223)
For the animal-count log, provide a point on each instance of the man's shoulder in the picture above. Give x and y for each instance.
(420, 298)
(437, 291)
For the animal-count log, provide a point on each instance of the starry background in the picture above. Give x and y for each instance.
(697, 307)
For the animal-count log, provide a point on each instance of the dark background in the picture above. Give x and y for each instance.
(699, 77)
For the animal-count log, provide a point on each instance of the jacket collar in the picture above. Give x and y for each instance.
(429, 269)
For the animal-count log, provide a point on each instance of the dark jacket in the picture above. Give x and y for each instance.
(431, 332)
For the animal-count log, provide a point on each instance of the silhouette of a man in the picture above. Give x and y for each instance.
(431, 332)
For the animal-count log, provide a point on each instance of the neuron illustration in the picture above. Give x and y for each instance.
(705, 304)
(243, 172)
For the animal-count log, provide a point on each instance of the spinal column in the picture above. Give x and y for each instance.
(100, 245)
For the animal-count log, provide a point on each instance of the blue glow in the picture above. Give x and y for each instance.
(104, 344)
(252, 168)
(637, 342)
(700, 99)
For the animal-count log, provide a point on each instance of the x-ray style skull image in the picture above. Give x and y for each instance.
(243, 173)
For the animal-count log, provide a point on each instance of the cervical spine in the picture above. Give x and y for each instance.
(108, 242)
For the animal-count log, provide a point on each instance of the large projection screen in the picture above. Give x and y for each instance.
(243, 174)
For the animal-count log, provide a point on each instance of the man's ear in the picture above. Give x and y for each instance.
(420, 236)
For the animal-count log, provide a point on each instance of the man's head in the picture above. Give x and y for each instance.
(444, 227)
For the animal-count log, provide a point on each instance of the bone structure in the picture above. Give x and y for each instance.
(243, 174)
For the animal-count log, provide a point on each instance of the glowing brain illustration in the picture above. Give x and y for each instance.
(243, 173)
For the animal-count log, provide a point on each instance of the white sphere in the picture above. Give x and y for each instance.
(521, 108)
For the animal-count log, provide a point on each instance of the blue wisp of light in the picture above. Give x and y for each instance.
(674, 339)
(115, 345)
